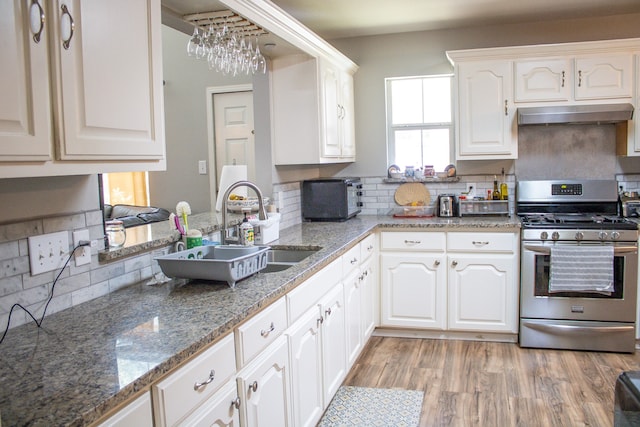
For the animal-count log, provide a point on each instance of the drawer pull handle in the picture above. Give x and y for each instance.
(268, 331)
(66, 27)
(480, 243)
(370, 247)
(354, 261)
(253, 386)
(412, 242)
(328, 311)
(36, 19)
(320, 320)
(236, 402)
(212, 375)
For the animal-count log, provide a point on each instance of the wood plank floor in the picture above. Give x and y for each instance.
(470, 383)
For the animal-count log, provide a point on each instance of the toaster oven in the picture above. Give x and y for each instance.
(331, 199)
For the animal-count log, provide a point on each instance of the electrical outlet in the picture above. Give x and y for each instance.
(472, 189)
(83, 254)
(48, 252)
(202, 167)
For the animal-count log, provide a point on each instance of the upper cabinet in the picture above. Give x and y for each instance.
(83, 85)
(312, 111)
(493, 83)
(485, 125)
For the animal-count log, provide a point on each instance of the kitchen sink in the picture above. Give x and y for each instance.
(282, 259)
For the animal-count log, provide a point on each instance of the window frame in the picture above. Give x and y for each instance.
(391, 128)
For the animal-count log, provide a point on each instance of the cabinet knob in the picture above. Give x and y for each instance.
(266, 333)
(236, 402)
(212, 376)
(454, 263)
(66, 27)
(328, 311)
(253, 386)
(436, 262)
(354, 261)
(36, 19)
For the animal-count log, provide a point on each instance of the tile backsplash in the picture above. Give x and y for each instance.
(79, 284)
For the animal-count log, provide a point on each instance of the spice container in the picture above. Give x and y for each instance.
(116, 234)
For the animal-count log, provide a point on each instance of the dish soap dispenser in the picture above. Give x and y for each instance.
(246, 232)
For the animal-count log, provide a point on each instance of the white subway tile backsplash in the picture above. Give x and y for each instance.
(10, 285)
(9, 250)
(90, 292)
(107, 272)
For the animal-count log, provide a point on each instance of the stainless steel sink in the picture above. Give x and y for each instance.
(282, 259)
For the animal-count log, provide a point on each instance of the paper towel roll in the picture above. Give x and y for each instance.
(229, 175)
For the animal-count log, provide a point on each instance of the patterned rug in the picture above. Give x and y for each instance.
(359, 406)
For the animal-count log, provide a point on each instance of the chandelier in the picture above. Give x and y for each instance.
(227, 41)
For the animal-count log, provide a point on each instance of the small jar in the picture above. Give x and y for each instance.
(409, 171)
(429, 171)
(116, 233)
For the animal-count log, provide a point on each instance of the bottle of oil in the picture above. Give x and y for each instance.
(496, 192)
(504, 191)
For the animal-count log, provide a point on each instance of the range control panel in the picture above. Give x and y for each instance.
(566, 189)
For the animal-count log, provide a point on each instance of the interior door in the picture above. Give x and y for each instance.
(234, 136)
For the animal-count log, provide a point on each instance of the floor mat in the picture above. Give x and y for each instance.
(360, 406)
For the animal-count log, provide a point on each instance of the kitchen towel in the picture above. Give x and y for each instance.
(581, 269)
(229, 175)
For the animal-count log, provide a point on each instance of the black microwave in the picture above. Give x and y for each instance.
(331, 199)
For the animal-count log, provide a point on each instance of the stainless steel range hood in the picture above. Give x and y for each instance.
(556, 114)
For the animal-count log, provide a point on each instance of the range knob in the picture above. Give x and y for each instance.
(579, 235)
(555, 235)
(615, 235)
(602, 235)
(544, 235)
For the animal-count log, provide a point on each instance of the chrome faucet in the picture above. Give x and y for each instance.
(262, 211)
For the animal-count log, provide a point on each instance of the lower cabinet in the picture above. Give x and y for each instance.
(369, 291)
(222, 409)
(464, 281)
(136, 413)
(264, 389)
(353, 312)
(334, 347)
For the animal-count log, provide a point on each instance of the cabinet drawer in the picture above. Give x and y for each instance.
(300, 299)
(481, 242)
(367, 247)
(260, 331)
(350, 260)
(413, 241)
(177, 395)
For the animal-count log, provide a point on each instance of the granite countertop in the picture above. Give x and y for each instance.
(88, 359)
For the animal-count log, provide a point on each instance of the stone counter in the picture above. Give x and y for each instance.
(88, 359)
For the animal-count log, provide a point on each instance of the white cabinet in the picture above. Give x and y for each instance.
(305, 349)
(567, 79)
(478, 291)
(258, 332)
(486, 127)
(543, 80)
(176, 396)
(104, 86)
(222, 409)
(334, 351)
(483, 285)
(369, 287)
(604, 76)
(264, 388)
(136, 413)
(413, 280)
(312, 111)
(353, 303)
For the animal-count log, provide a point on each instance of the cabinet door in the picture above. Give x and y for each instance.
(25, 112)
(264, 388)
(136, 413)
(486, 126)
(347, 121)
(482, 293)
(368, 289)
(543, 80)
(353, 312)
(413, 290)
(601, 77)
(306, 369)
(331, 111)
(334, 347)
(108, 80)
(221, 410)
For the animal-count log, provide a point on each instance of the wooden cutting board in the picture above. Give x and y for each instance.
(411, 193)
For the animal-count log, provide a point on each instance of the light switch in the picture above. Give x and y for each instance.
(202, 167)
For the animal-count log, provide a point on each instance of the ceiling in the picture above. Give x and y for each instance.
(333, 19)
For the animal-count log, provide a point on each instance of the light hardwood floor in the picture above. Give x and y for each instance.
(470, 383)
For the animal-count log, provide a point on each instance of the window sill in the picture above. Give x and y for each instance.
(423, 179)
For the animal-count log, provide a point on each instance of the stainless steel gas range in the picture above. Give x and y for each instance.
(579, 267)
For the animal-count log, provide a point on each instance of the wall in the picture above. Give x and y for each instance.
(421, 53)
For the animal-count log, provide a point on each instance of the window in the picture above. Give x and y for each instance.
(419, 121)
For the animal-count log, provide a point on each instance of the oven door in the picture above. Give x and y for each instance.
(538, 303)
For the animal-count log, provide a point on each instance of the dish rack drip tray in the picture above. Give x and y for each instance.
(227, 263)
